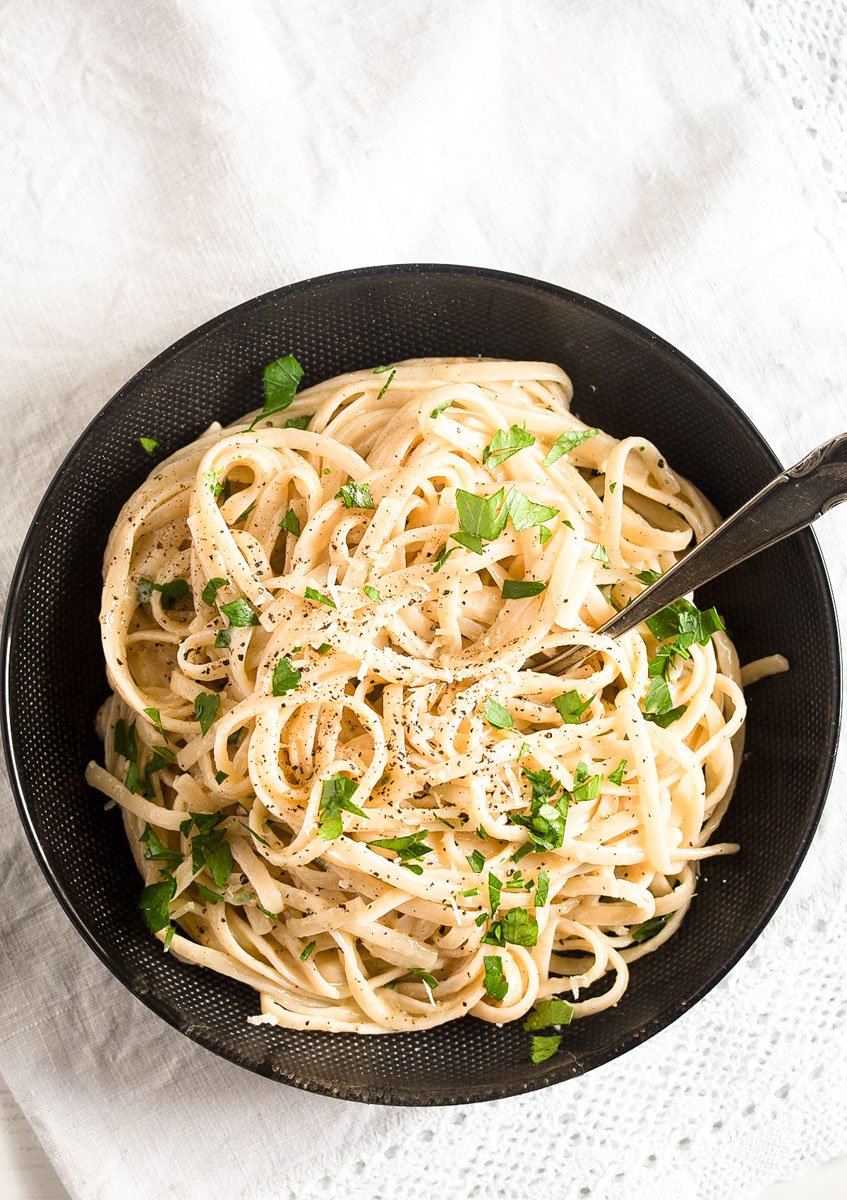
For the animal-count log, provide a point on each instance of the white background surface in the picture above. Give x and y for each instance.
(805, 43)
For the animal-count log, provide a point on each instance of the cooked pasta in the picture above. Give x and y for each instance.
(345, 776)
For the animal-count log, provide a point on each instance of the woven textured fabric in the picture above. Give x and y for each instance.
(624, 379)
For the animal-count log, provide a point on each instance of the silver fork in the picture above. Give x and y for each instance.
(796, 498)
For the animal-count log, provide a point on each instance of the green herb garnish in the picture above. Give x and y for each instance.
(306, 952)
(617, 775)
(542, 889)
(515, 927)
(495, 983)
(496, 715)
(554, 1011)
(372, 593)
(148, 444)
(520, 589)
(355, 495)
(208, 848)
(504, 444)
(154, 904)
(206, 708)
(495, 887)
(240, 613)
(291, 523)
(407, 848)
(476, 860)
(210, 591)
(336, 795)
(649, 929)
(280, 380)
(525, 513)
(175, 589)
(570, 706)
(312, 594)
(301, 422)
(566, 442)
(542, 1048)
(156, 850)
(286, 677)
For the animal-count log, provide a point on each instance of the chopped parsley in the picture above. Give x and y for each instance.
(648, 577)
(175, 589)
(469, 540)
(542, 889)
(286, 676)
(207, 894)
(436, 412)
(515, 927)
(586, 787)
(643, 933)
(570, 706)
(306, 952)
(485, 517)
(685, 624)
(504, 444)
(280, 381)
(372, 593)
(476, 860)
(220, 777)
(544, 533)
(355, 495)
(336, 793)
(208, 847)
(520, 589)
(156, 717)
(566, 442)
(291, 523)
(525, 513)
(240, 613)
(554, 1011)
(425, 977)
(496, 985)
(156, 850)
(599, 553)
(495, 887)
(392, 371)
(617, 775)
(312, 594)
(496, 715)
(148, 444)
(223, 639)
(154, 904)
(545, 822)
(542, 1048)
(659, 706)
(442, 556)
(210, 591)
(206, 708)
(407, 848)
(301, 422)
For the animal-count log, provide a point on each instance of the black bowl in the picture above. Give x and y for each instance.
(626, 380)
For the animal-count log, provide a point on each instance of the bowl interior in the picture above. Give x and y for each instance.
(626, 381)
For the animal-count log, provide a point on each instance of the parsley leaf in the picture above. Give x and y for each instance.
(125, 740)
(207, 894)
(206, 706)
(372, 593)
(469, 540)
(554, 1011)
(525, 513)
(154, 904)
(516, 927)
(306, 952)
(504, 444)
(336, 793)
(648, 577)
(425, 977)
(599, 553)
(409, 847)
(301, 422)
(392, 371)
(240, 613)
(586, 787)
(520, 589)
(643, 933)
(617, 775)
(441, 557)
(495, 887)
(547, 816)
(355, 495)
(496, 715)
(156, 850)
(483, 516)
(221, 777)
(291, 523)
(436, 412)
(542, 889)
(175, 589)
(211, 589)
(566, 442)
(542, 1048)
(208, 848)
(280, 381)
(544, 534)
(223, 639)
(495, 984)
(286, 676)
(686, 623)
(148, 444)
(658, 704)
(156, 717)
(570, 706)
(476, 860)
(311, 594)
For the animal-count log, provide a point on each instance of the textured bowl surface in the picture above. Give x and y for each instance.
(626, 380)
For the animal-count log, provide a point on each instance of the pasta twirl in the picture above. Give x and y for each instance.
(345, 777)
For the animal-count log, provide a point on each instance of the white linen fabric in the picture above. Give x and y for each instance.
(165, 160)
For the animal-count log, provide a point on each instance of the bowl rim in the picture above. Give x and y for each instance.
(389, 1094)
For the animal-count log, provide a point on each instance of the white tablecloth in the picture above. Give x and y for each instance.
(163, 161)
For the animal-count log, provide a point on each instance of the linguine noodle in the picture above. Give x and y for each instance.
(306, 663)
